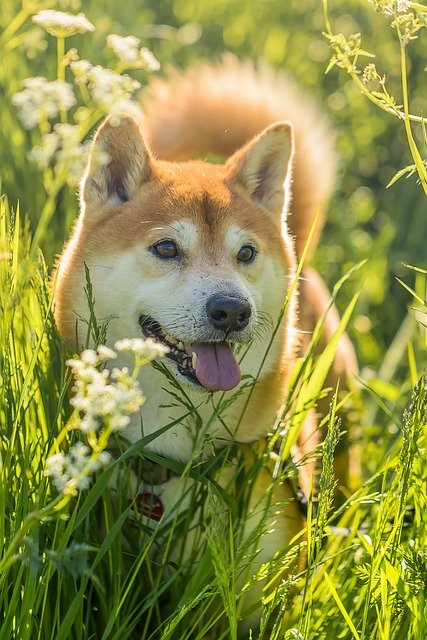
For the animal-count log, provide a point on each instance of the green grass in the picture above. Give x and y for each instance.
(87, 566)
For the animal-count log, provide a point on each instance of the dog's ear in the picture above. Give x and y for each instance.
(263, 167)
(119, 163)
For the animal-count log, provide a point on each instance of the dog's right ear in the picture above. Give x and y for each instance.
(119, 163)
(262, 167)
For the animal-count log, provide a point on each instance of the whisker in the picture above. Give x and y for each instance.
(295, 330)
(298, 278)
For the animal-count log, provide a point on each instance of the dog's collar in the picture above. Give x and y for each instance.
(148, 501)
(152, 474)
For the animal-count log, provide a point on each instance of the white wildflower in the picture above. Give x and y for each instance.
(62, 24)
(79, 454)
(69, 133)
(89, 423)
(81, 69)
(129, 51)
(43, 153)
(92, 357)
(89, 356)
(149, 61)
(119, 422)
(55, 465)
(106, 353)
(125, 48)
(63, 148)
(72, 471)
(34, 43)
(41, 100)
(108, 87)
(111, 91)
(102, 398)
(71, 156)
(104, 458)
(389, 7)
(146, 348)
(72, 55)
(129, 107)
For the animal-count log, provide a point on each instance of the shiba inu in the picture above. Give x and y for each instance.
(202, 256)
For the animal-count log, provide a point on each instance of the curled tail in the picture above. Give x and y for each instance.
(213, 109)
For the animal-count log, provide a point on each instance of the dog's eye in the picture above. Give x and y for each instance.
(166, 249)
(246, 254)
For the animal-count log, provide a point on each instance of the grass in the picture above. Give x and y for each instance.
(88, 566)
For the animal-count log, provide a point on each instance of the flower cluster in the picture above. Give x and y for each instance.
(370, 74)
(102, 401)
(111, 91)
(128, 50)
(390, 7)
(41, 100)
(62, 146)
(60, 153)
(147, 349)
(408, 25)
(71, 472)
(347, 50)
(34, 43)
(103, 398)
(62, 24)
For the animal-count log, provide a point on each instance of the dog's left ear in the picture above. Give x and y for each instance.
(262, 167)
(119, 163)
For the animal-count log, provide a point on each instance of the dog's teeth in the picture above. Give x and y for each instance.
(180, 345)
(194, 360)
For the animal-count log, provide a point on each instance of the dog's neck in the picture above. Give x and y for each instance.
(202, 422)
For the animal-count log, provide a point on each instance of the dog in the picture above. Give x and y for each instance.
(202, 256)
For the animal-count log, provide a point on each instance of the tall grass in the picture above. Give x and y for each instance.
(90, 566)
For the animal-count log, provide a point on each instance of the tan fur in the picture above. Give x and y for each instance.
(216, 108)
(138, 198)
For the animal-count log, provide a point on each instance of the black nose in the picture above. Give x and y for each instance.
(228, 313)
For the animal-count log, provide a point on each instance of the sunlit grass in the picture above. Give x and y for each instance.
(88, 565)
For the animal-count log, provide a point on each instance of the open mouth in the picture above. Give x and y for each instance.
(211, 365)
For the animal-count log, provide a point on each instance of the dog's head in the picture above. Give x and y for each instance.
(193, 254)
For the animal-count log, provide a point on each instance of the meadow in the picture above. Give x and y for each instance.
(76, 559)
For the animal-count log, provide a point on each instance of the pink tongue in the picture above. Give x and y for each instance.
(216, 367)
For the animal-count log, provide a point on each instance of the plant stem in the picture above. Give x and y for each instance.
(421, 168)
(60, 52)
(60, 72)
(350, 68)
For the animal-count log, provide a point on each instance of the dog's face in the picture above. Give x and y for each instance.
(194, 255)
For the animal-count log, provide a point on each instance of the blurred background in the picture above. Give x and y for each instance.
(365, 219)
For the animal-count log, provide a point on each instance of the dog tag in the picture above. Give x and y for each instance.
(149, 505)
